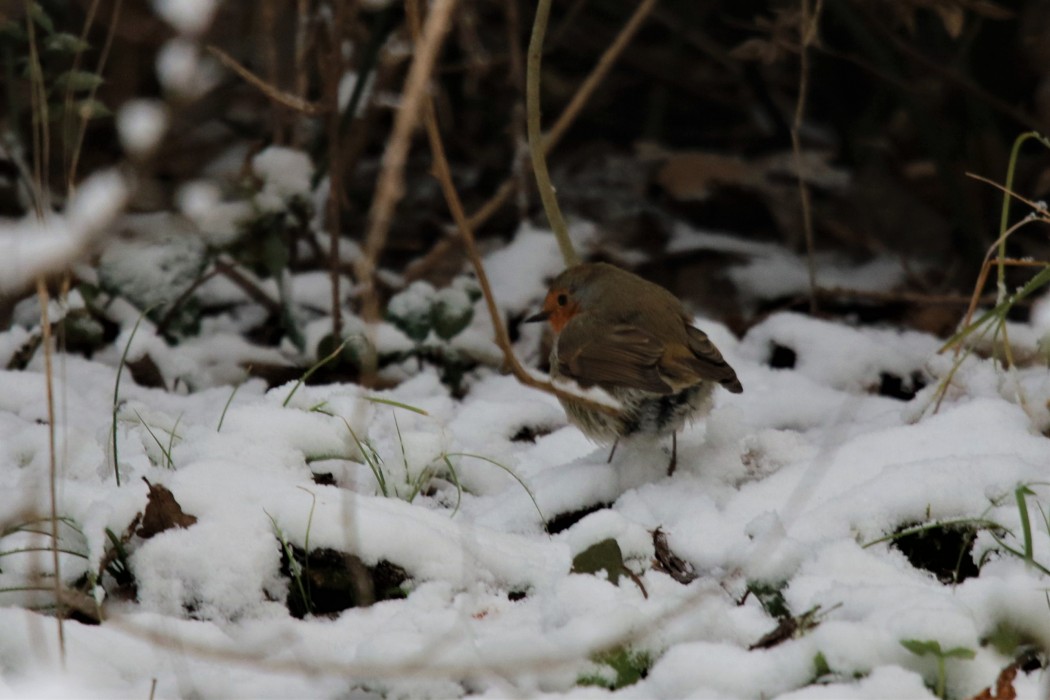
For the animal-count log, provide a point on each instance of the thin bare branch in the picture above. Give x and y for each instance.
(571, 111)
(279, 96)
(444, 175)
(67, 110)
(590, 84)
(389, 189)
(246, 285)
(102, 59)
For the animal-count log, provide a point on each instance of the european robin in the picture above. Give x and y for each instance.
(634, 339)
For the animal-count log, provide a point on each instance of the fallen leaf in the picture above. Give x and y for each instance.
(1004, 686)
(670, 563)
(163, 512)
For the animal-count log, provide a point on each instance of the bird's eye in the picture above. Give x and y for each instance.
(563, 300)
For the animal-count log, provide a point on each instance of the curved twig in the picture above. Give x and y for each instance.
(571, 111)
(455, 205)
(536, 149)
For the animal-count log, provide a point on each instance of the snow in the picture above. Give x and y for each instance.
(184, 70)
(792, 483)
(31, 247)
(141, 124)
(347, 85)
(771, 271)
(528, 263)
(285, 173)
(190, 17)
(162, 257)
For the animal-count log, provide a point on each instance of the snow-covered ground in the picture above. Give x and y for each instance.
(789, 486)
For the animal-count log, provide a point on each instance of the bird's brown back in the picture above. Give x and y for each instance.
(633, 333)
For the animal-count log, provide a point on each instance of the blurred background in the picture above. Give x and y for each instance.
(681, 159)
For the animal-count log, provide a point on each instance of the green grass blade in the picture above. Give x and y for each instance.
(396, 404)
(116, 387)
(160, 445)
(316, 366)
(227, 406)
(510, 471)
(455, 480)
(1026, 523)
(370, 459)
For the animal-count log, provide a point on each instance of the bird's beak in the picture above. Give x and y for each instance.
(541, 316)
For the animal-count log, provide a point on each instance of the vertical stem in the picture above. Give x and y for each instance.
(102, 58)
(41, 120)
(1026, 524)
(333, 74)
(516, 75)
(268, 21)
(41, 161)
(1004, 219)
(45, 331)
(539, 161)
(808, 28)
(67, 109)
(302, 80)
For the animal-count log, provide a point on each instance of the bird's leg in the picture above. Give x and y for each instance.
(613, 450)
(674, 453)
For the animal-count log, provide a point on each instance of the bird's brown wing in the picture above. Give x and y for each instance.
(611, 355)
(702, 360)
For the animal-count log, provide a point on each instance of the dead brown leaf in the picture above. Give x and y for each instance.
(670, 563)
(692, 175)
(952, 17)
(1004, 686)
(789, 628)
(163, 512)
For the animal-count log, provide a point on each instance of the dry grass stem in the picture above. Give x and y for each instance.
(302, 23)
(333, 73)
(808, 25)
(49, 379)
(990, 258)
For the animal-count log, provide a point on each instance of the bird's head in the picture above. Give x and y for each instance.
(559, 307)
(574, 291)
